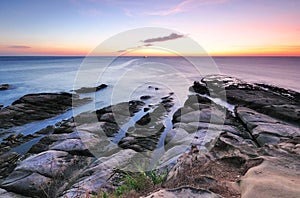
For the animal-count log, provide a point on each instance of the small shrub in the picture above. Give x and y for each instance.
(135, 184)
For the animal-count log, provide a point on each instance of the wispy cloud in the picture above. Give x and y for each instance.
(123, 50)
(173, 10)
(148, 42)
(164, 38)
(137, 47)
(184, 6)
(19, 46)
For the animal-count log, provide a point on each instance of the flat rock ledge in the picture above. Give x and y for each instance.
(33, 107)
(208, 150)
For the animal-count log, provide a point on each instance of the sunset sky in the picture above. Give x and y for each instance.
(221, 27)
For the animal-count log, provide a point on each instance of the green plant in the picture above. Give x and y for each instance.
(134, 181)
(135, 184)
(157, 178)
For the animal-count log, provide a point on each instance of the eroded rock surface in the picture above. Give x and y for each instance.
(257, 151)
(209, 149)
(33, 107)
(75, 151)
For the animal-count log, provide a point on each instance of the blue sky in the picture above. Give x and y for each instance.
(222, 27)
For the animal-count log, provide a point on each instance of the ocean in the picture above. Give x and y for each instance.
(128, 76)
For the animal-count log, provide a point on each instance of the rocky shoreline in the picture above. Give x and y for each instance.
(208, 149)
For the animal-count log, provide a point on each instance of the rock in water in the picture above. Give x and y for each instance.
(284, 105)
(4, 86)
(90, 89)
(33, 107)
(209, 151)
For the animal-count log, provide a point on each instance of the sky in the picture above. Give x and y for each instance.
(220, 27)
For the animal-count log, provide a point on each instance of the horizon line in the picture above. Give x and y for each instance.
(148, 56)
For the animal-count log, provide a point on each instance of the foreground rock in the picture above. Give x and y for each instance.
(260, 158)
(33, 107)
(183, 192)
(209, 150)
(277, 176)
(64, 160)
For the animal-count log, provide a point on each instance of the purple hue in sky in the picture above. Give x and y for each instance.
(73, 27)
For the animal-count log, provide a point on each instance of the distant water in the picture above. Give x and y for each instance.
(133, 74)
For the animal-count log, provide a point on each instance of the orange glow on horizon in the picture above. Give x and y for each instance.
(55, 51)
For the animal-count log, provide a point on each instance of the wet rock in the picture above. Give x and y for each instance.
(4, 86)
(146, 132)
(199, 87)
(91, 89)
(28, 184)
(281, 91)
(97, 175)
(124, 108)
(265, 138)
(8, 162)
(264, 129)
(283, 105)
(195, 116)
(110, 129)
(252, 118)
(146, 97)
(33, 107)
(211, 151)
(73, 146)
(43, 174)
(146, 119)
(4, 193)
(281, 130)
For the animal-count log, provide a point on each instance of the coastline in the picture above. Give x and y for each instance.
(80, 155)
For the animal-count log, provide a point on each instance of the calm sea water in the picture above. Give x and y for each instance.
(128, 77)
